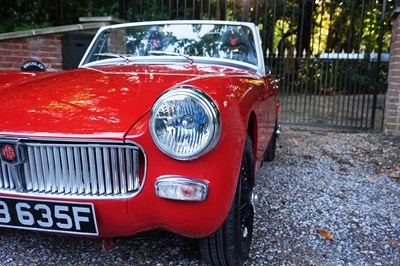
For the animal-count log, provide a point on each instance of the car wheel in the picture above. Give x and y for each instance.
(230, 244)
(270, 152)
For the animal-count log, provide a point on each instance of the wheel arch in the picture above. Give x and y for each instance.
(252, 132)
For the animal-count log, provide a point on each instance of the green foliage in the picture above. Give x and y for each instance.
(314, 26)
(31, 14)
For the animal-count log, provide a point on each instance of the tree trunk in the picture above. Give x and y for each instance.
(222, 9)
(122, 9)
(60, 12)
(304, 26)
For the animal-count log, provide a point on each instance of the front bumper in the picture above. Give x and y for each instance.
(146, 209)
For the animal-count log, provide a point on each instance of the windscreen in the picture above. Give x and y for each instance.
(233, 42)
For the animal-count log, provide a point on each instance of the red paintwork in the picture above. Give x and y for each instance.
(113, 103)
(9, 78)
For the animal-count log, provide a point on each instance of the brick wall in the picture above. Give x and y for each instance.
(45, 49)
(45, 45)
(392, 109)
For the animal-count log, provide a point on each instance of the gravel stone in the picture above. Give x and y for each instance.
(345, 183)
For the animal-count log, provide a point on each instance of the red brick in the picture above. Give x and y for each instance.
(394, 79)
(19, 52)
(4, 52)
(41, 54)
(392, 115)
(53, 43)
(4, 65)
(392, 100)
(393, 107)
(17, 65)
(12, 58)
(57, 66)
(390, 127)
(10, 46)
(52, 60)
(56, 54)
(389, 115)
(395, 71)
(51, 48)
(393, 93)
(391, 120)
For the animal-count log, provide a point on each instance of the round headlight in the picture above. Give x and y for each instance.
(185, 123)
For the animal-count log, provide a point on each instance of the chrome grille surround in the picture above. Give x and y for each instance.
(78, 169)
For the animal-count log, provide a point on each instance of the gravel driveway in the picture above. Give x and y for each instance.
(329, 198)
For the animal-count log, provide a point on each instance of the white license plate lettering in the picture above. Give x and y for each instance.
(67, 217)
(4, 213)
(47, 220)
(64, 221)
(24, 215)
(78, 217)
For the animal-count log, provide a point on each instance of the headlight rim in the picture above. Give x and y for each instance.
(207, 104)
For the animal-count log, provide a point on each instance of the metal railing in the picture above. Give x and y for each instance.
(331, 89)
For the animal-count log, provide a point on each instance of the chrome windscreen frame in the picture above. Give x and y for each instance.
(259, 68)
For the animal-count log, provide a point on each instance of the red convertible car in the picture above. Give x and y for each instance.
(163, 126)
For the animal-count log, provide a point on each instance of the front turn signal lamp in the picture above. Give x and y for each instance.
(181, 188)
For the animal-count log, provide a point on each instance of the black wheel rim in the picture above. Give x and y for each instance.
(246, 206)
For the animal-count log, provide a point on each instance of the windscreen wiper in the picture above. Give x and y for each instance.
(172, 54)
(112, 55)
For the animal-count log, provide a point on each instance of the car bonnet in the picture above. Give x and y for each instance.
(100, 103)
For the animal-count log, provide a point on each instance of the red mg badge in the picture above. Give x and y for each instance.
(8, 152)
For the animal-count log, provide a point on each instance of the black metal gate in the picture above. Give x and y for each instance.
(332, 59)
(331, 56)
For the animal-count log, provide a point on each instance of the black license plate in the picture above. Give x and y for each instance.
(53, 216)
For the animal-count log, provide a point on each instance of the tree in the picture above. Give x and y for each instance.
(310, 25)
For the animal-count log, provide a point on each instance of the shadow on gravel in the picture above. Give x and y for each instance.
(155, 248)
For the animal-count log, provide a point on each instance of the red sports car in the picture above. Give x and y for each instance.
(163, 126)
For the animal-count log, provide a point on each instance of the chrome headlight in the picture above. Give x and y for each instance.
(185, 123)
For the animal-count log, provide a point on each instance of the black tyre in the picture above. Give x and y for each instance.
(230, 244)
(270, 152)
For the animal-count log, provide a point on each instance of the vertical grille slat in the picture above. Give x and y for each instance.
(86, 177)
(107, 171)
(92, 171)
(58, 174)
(122, 174)
(71, 170)
(130, 176)
(100, 168)
(1, 175)
(114, 170)
(32, 168)
(10, 179)
(45, 167)
(136, 173)
(64, 170)
(77, 169)
(38, 164)
(52, 172)
(6, 176)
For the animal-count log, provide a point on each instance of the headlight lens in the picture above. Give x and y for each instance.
(185, 123)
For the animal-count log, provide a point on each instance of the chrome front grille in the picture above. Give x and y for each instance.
(76, 169)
